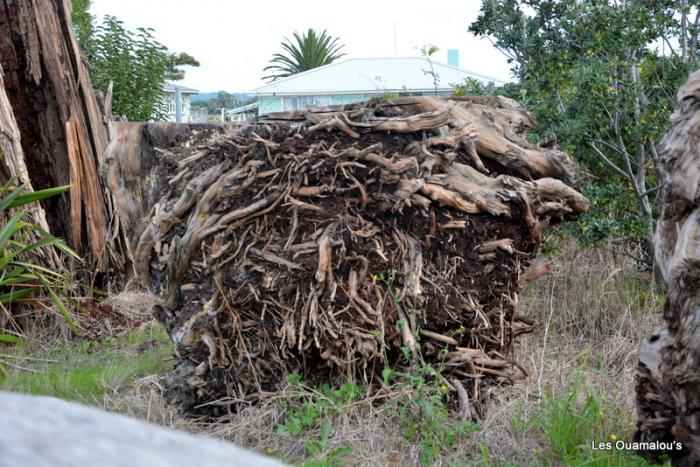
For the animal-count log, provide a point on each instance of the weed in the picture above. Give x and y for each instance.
(423, 413)
(318, 450)
(422, 406)
(419, 401)
(305, 407)
(427, 51)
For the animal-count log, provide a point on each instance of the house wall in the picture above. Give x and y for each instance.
(170, 107)
(268, 104)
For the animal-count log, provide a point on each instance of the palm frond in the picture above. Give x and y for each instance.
(305, 52)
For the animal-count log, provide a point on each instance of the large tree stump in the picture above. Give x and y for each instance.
(62, 133)
(668, 380)
(336, 242)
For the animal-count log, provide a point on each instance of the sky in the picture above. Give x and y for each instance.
(234, 41)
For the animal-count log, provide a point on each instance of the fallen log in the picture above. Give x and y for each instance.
(668, 376)
(324, 242)
(48, 432)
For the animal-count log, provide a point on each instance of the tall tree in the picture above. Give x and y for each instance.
(594, 75)
(83, 22)
(309, 50)
(175, 61)
(136, 63)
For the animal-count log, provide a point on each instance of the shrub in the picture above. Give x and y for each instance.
(24, 277)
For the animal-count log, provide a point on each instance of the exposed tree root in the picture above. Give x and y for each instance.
(323, 242)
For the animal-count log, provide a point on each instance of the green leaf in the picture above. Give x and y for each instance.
(37, 196)
(9, 339)
(17, 294)
(9, 229)
(59, 304)
(7, 201)
(386, 374)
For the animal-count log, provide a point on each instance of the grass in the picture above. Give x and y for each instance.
(592, 313)
(86, 371)
(570, 422)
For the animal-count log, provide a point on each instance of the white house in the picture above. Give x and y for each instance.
(358, 79)
(170, 105)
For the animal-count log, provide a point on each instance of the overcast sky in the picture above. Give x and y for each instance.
(234, 40)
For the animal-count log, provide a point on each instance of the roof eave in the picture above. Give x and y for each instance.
(354, 92)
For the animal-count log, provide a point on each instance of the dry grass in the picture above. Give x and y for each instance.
(593, 311)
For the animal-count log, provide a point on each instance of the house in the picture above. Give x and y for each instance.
(170, 102)
(358, 79)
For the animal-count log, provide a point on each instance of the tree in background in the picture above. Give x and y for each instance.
(223, 100)
(602, 76)
(175, 61)
(309, 50)
(83, 23)
(134, 62)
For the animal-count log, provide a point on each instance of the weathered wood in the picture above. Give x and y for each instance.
(325, 241)
(63, 135)
(12, 164)
(668, 379)
(48, 432)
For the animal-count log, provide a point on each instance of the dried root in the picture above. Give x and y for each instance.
(322, 242)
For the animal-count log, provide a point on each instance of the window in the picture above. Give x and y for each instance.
(301, 102)
(171, 103)
(322, 100)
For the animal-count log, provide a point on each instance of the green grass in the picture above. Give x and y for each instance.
(568, 422)
(86, 371)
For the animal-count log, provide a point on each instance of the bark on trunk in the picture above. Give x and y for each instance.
(63, 135)
(668, 380)
(12, 165)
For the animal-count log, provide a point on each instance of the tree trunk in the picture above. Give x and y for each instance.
(63, 134)
(12, 164)
(668, 379)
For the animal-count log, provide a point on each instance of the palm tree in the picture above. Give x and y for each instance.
(309, 50)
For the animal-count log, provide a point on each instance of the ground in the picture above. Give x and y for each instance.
(591, 313)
